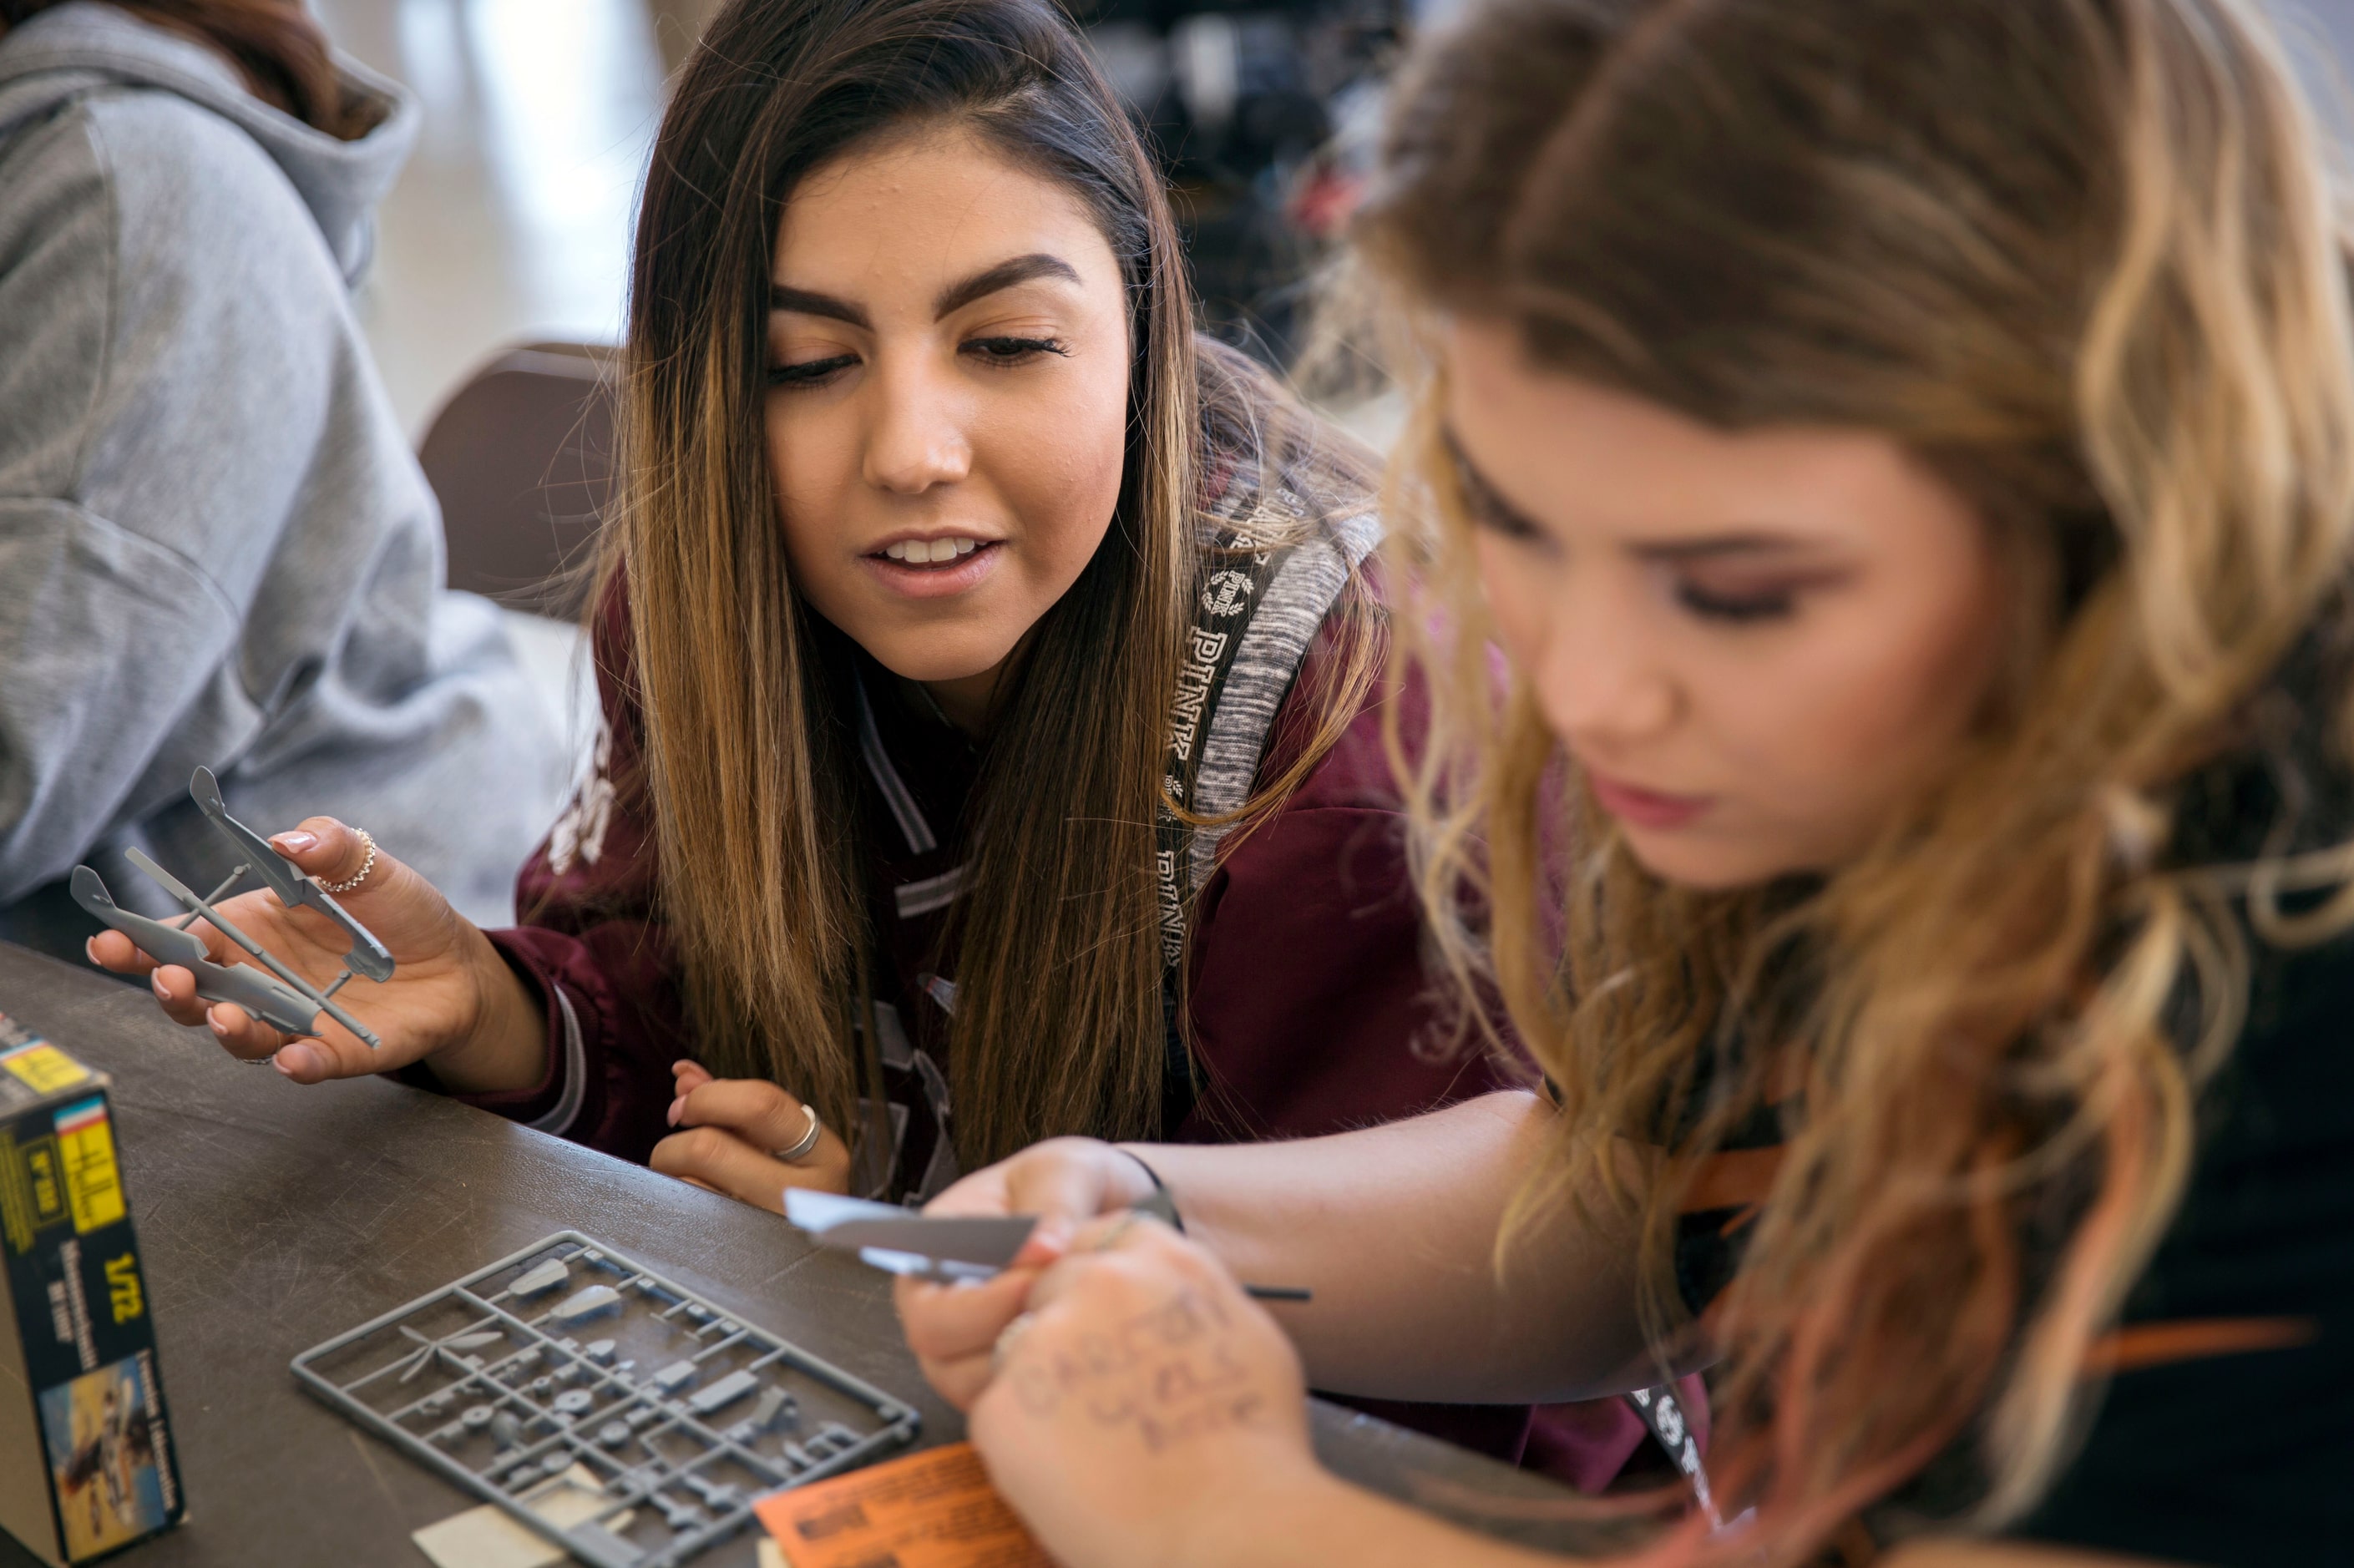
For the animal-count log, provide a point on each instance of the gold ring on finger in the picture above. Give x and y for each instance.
(367, 866)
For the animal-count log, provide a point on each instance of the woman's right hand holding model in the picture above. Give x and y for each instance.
(452, 1001)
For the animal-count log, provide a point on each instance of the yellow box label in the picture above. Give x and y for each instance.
(32, 1187)
(122, 1287)
(44, 1068)
(93, 1184)
(45, 1182)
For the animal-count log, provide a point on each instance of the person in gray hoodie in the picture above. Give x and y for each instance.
(215, 546)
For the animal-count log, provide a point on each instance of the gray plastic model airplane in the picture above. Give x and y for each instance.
(367, 958)
(901, 1241)
(289, 1002)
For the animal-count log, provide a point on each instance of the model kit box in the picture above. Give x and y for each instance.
(86, 1461)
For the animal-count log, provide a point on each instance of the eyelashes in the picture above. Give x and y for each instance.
(1009, 351)
(999, 352)
(810, 373)
(1738, 609)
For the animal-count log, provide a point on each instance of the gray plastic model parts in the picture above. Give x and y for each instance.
(367, 958)
(667, 1481)
(584, 1304)
(249, 989)
(288, 1003)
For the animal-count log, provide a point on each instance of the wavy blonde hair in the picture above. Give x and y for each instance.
(2083, 257)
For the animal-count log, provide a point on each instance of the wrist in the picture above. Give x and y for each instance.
(1135, 1183)
(1282, 1508)
(502, 1048)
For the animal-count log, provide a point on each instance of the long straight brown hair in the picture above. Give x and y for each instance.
(2082, 258)
(750, 763)
(276, 43)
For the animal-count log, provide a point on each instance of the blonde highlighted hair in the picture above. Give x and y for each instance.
(2083, 257)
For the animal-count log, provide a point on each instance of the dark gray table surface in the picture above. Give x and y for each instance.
(272, 1216)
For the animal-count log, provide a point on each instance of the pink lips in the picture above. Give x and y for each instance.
(1645, 808)
(942, 581)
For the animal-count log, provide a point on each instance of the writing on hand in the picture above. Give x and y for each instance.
(1169, 1374)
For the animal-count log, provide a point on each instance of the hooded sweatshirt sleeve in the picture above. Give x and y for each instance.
(157, 280)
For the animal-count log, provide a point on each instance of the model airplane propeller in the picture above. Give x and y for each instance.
(288, 1003)
(417, 1361)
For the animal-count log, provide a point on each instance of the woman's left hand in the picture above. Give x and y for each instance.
(1142, 1405)
(731, 1128)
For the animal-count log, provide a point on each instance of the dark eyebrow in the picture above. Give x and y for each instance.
(1715, 547)
(1479, 495)
(801, 302)
(1483, 499)
(1004, 275)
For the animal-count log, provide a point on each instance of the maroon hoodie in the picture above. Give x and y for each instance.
(1311, 1009)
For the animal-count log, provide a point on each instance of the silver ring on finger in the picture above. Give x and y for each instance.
(268, 1060)
(800, 1151)
(367, 866)
(1007, 1338)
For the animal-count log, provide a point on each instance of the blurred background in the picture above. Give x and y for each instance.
(512, 222)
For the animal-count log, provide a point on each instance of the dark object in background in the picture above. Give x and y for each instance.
(521, 459)
(1263, 115)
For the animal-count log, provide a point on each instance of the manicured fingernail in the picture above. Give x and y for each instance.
(676, 1105)
(278, 1062)
(295, 843)
(90, 948)
(218, 1027)
(156, 984)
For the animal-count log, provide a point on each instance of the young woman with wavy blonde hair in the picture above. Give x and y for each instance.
(1906, 450)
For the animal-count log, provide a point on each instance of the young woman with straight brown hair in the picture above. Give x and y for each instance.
(993, 742)
(1906, 449)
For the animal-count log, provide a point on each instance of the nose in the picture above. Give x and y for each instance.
(915, 437)
(1601, 680)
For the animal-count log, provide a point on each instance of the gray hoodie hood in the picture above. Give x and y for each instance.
(87, 46)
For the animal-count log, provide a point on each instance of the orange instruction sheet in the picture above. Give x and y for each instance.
(932, 1509)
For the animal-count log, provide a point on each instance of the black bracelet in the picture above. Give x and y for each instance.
(1163, 1203)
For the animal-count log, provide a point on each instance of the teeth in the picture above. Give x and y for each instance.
(923, 552)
